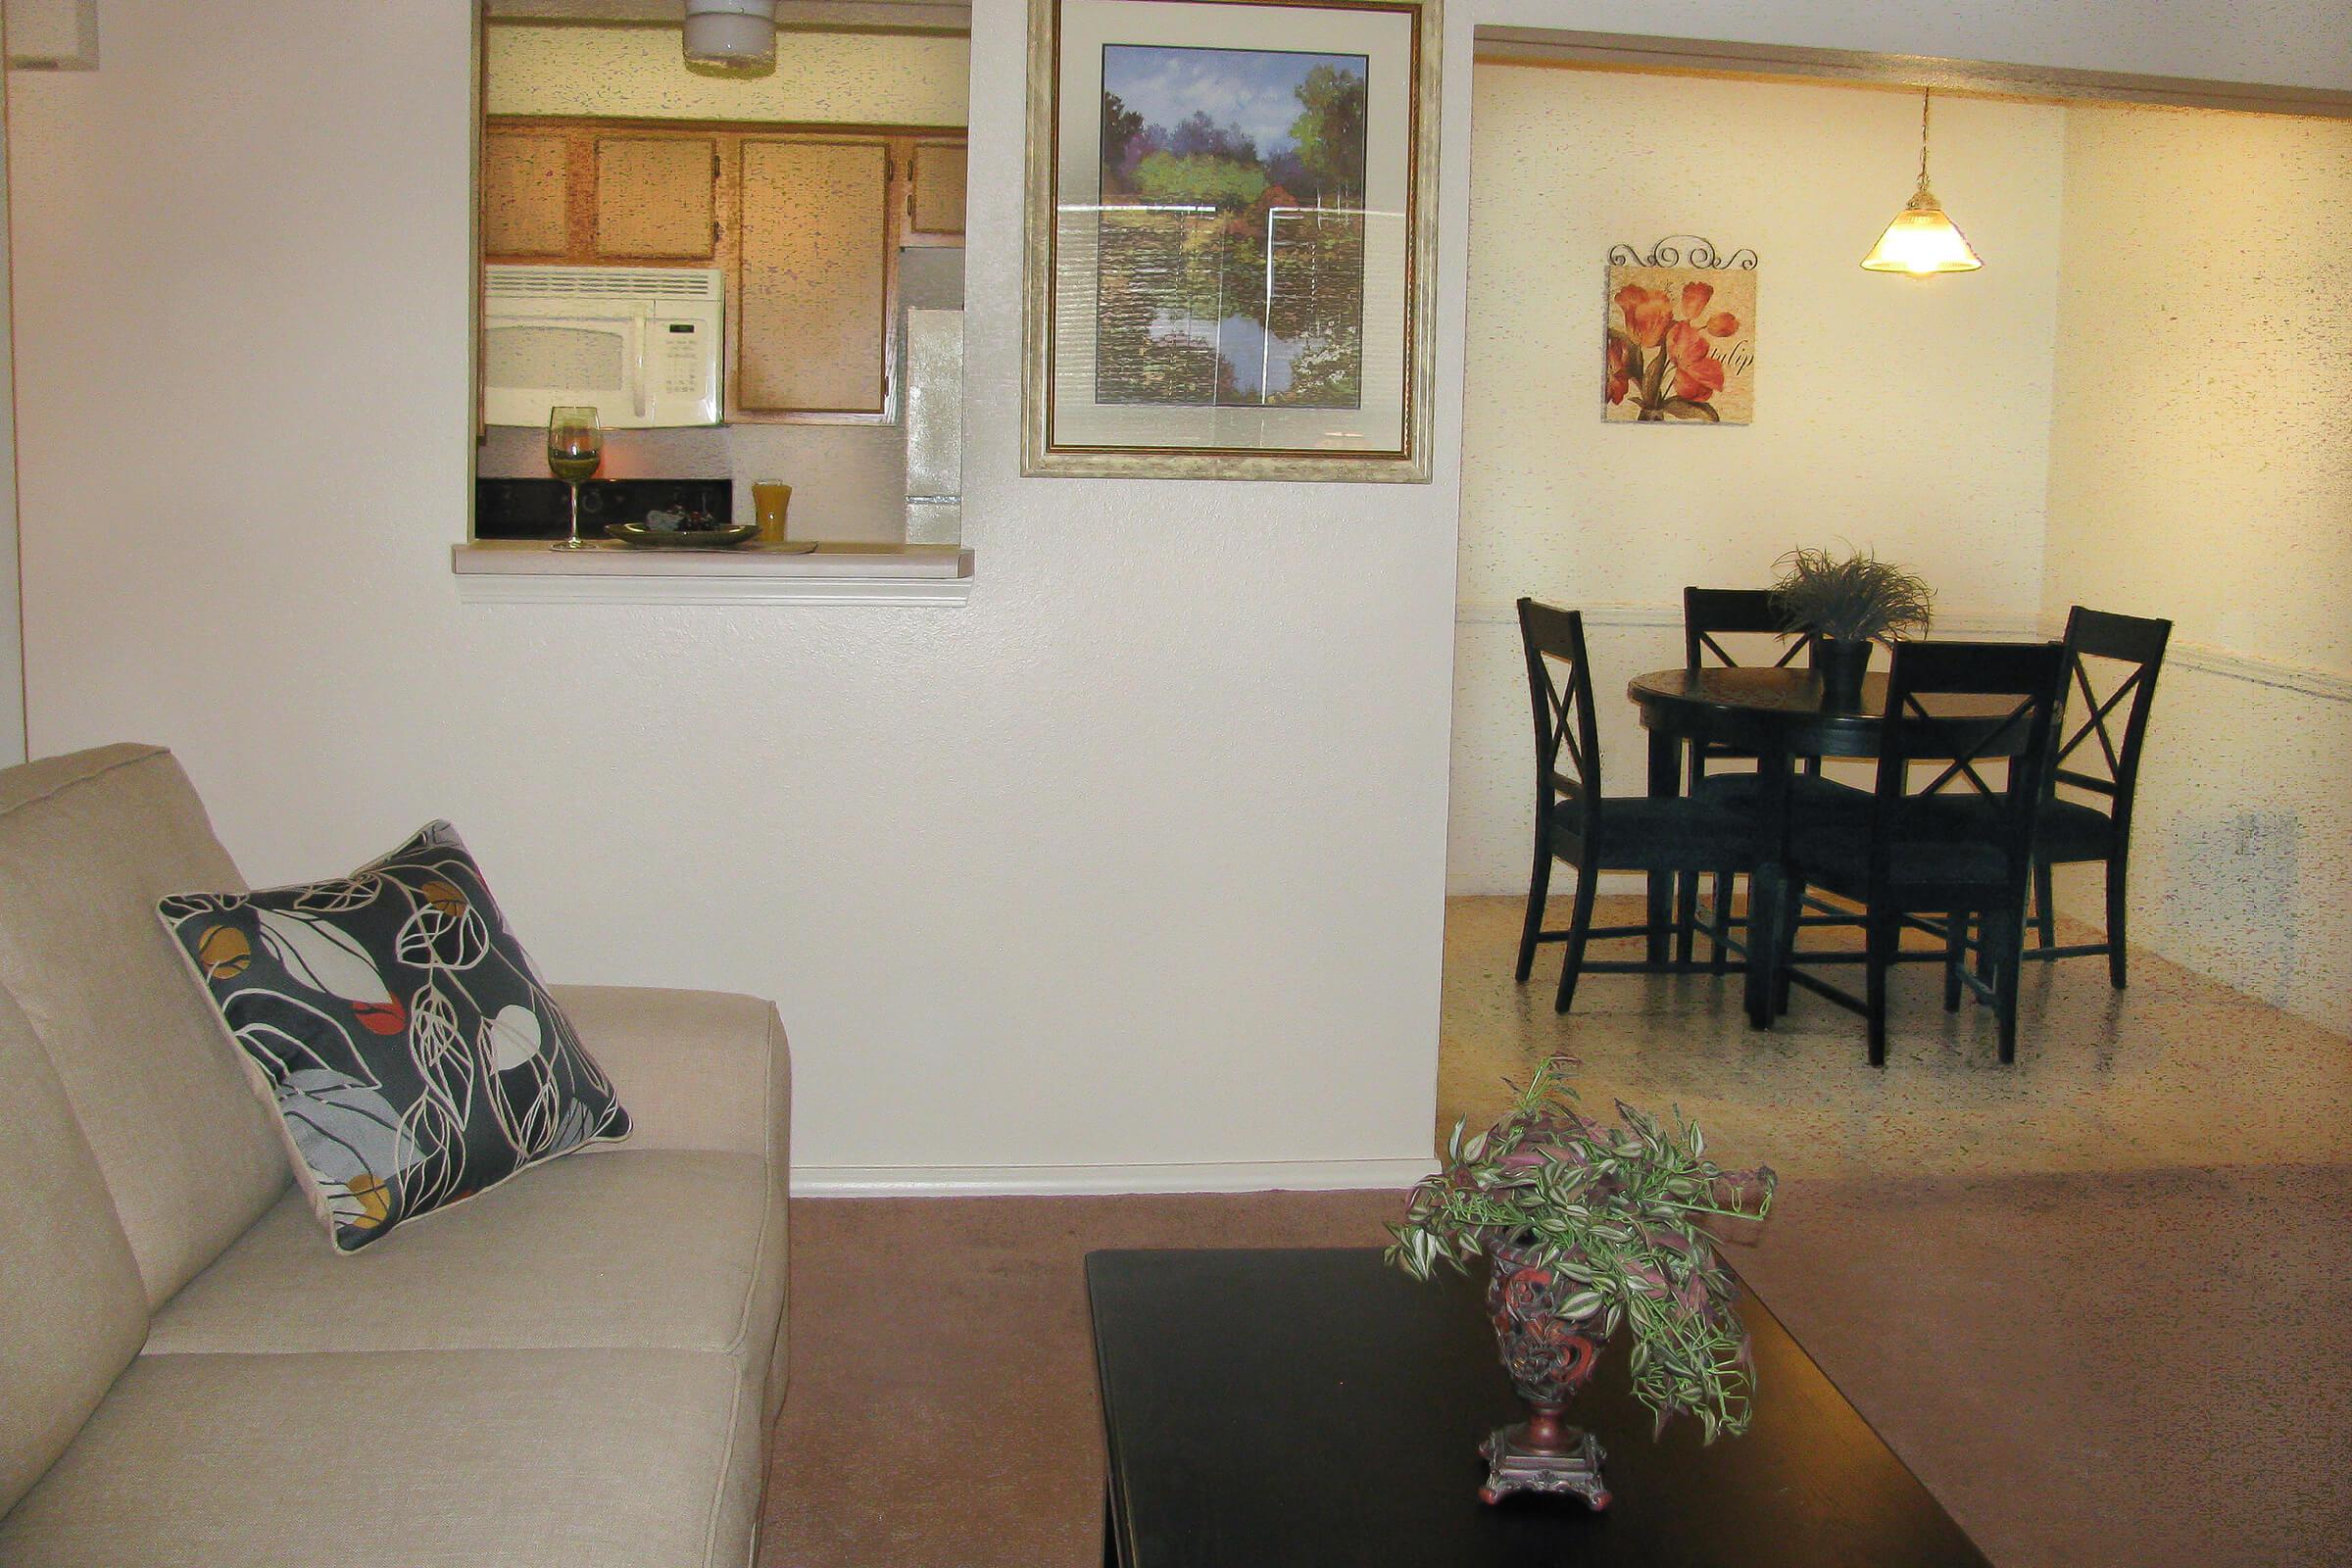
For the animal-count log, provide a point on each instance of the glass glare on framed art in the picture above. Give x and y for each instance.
(1228, 240)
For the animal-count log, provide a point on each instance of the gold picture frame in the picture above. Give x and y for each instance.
(1232, 277)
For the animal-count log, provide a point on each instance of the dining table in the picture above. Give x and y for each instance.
(1780, 715)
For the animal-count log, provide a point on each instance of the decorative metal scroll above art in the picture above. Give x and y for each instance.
(1681, 334)
(1698, 252)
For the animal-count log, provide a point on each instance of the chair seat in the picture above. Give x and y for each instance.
(1831, 848)
(2066, 831)
(1643, 833)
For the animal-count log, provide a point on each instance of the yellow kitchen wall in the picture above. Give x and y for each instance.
(1909, 417)
(872, 78)
(2201, 470)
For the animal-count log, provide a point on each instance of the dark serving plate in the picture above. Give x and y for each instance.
(636, 533)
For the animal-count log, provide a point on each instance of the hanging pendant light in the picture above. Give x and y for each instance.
(1922, 241)
(731, 38)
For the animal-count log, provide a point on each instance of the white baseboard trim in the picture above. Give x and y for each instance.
(1037, 1181)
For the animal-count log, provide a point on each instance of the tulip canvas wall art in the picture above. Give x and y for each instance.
(1681, 346)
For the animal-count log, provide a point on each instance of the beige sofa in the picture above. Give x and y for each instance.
(577, 1367)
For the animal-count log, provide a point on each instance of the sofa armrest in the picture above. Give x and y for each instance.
(697, 1070)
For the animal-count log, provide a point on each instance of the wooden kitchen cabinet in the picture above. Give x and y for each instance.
(526, 195)
(816, 276)
(935, 198)
(803, 224)
(656, 198)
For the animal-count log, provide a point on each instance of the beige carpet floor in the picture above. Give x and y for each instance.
(2100, 1302)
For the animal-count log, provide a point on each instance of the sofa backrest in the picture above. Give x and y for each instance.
(89, 842)
(73, 1308)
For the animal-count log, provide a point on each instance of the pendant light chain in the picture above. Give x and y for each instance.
(1925, 94)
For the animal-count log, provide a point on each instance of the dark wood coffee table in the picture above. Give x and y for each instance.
(1317, 1409)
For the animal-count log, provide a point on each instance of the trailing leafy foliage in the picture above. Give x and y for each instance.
(1850, 597)
(1616, 1209)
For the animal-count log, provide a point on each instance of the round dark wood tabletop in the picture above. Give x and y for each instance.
(1779, 709)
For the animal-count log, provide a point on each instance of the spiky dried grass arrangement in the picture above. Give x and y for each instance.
(1618, 1211)
(1850, 597)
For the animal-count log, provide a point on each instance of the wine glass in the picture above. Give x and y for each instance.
(575, 445)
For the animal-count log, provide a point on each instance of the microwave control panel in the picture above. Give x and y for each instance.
(679, 360)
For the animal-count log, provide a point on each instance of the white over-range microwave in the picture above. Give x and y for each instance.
(641, 345)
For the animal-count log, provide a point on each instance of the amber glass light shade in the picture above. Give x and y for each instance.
(1922, 241)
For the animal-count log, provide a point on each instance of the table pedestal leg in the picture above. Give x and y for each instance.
(1665, 783)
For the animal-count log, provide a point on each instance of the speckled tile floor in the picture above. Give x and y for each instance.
(2176, 1070)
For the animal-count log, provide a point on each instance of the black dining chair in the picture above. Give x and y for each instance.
(1956, 845)
(1576, 822)
(2074, 831)
(1710, 614)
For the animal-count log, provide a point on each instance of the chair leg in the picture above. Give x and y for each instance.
(1686, 915)
(1885, 932)
(1580, 924)
(1538, 884)
(2117, 882)
(2045, 905)
(1955, 954)
(2008, 930)
(1719, 959)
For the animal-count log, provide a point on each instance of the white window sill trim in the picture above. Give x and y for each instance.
(527, 571)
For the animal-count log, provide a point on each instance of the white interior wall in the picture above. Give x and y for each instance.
(2201, 470)
(1130, 870)
(12, 620)
(1907, 417)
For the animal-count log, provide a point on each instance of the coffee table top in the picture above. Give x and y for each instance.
(1303, 1408)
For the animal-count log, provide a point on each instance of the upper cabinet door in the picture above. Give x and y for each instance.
(935, 206)
(816, 267)
(527, 193)
(654, 198)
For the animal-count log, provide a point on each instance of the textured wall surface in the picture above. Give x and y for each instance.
(850, 78)
(1912, 419)
(2201, 470)
(1138, 858)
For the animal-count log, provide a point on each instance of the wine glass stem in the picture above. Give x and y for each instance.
(576, 514)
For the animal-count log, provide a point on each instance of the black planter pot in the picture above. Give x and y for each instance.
(1839, 664)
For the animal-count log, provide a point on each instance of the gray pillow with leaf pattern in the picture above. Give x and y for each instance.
(413, 1052)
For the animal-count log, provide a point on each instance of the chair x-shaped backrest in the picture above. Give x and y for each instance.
(1710, 612)
(2128, 640)
(1559, 685)
(2024, 681)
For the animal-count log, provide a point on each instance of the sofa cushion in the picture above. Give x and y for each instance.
(87, 843)
(494, 1458)
(73, 1309)
(408, 1042)
(656, 1249)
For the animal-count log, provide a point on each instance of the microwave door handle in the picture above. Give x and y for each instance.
(644, 380)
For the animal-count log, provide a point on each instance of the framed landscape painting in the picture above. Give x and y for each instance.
(1231, 238)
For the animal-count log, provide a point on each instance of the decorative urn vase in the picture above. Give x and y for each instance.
(1841, 664)
(1549, 1356)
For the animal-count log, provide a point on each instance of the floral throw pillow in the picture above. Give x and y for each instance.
(413, 1054)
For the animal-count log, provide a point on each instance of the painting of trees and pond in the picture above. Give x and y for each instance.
(1230, 262)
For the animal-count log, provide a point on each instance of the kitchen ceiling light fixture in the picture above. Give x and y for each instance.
(731, 38)
(1922, 241)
